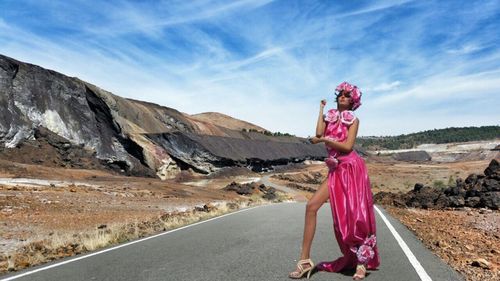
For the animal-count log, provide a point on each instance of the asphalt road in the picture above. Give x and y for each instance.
(261, 243)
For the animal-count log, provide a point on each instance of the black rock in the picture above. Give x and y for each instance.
(456, 201)
(471, 179)
(417, 187)
(491, 200)
(424, 198)
(448, 190)
(270, 196)
(271, 190)
(442, 201)
(493, 168)
(473, 201)
(473, 192)
(457, 190)
(491, 184)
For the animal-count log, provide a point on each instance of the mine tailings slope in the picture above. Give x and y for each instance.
(140, 138)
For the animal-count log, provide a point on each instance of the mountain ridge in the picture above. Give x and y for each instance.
(120, 130)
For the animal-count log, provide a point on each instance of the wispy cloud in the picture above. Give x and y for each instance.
(384, 87)
(271, 62)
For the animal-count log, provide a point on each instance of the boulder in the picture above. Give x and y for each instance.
(473, 201)
(471, 179)
(493, 168)
(456, 201)
(417, 187)
(491, 184)
(490, 200)
(241, 189)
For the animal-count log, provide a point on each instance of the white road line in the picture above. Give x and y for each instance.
(413, 260)
(122, 245)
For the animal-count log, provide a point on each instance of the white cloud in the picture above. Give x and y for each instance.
(384, 87)
(465, 49)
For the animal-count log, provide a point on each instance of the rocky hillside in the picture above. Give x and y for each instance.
(139, 138)
(227, 121)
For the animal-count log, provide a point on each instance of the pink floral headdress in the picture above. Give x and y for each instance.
(355, 93)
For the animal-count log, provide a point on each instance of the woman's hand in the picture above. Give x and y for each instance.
(315, 140)
(322, 104)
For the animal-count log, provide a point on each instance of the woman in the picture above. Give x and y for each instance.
(348, 188)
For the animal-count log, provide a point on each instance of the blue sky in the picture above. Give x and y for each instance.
(420, 64)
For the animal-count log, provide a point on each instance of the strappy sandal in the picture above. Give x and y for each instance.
(359, 276)
(297, 274)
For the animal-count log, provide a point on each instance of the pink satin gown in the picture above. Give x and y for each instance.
(350, 200)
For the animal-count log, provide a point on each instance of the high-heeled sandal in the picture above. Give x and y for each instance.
(301, 270)
(358, 276)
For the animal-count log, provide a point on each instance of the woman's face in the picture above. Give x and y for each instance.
(344, 99)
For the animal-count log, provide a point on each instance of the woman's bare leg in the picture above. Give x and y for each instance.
(312, 207)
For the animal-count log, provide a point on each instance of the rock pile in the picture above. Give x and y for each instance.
(300, 187)
(412, 156)
(476, 191)
(309, 178)
(269, 193)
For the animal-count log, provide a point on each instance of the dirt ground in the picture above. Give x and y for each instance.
(468, 240)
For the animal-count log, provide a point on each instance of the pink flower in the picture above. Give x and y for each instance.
(344, 86)
(332, 162)
(356, 98)
(371, 241)
(332, 116)
(364, 254)
(347, 117)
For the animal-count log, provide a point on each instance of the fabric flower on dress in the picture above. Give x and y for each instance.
(332, 162)
(371, 241)
(347, 117)
(355, 93)
(365, 253)
(331, 116)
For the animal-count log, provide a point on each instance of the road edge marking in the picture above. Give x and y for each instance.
(409, 254)
(126, 244)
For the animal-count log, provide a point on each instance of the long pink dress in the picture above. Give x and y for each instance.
(350, 200)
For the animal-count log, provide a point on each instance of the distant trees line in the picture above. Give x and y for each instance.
(268, 133)
(446, 135)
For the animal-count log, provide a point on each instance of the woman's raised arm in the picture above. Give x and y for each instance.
(320, 126)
